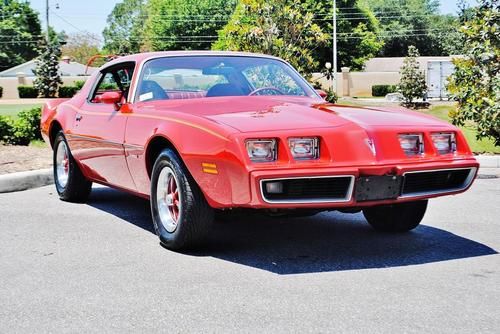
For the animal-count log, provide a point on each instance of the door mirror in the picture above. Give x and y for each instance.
(321, 93)
(111, 98)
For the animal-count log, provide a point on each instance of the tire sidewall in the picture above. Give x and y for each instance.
(61, 139)
(169, 159)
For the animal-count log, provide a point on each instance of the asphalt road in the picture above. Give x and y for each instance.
(98, 268)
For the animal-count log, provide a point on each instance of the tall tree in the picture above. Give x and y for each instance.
(357, 32)
(410, 22)
(123, 33)
(48, 77)
(284, 28)
(475, 84)
(20, 33)
(185, 24)
(412, 84)
(81, 46)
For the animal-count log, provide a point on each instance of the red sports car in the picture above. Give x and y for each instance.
(196, 132)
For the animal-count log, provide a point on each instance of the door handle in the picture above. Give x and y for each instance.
(78, 118)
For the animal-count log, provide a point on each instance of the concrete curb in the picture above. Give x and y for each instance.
(488, 161)
(25, 180)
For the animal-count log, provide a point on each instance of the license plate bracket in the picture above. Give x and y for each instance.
(373, 188)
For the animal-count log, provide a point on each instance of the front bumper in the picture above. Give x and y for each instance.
(259, 200)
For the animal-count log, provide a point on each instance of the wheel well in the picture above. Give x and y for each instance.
(54, 129)
(156, 145)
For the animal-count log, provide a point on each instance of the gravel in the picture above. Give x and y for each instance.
(24, 158)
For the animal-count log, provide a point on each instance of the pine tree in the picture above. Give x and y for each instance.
(412, 83)
(46, 71)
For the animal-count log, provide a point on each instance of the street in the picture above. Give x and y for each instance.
(98, 268)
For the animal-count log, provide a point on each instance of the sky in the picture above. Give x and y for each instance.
(90, 15)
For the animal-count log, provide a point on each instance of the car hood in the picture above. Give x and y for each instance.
(273, 113)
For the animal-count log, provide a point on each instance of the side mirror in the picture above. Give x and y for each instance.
(321, 93)
(111, 98)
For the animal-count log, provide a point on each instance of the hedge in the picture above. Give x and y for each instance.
(27, 92)
(1, 92)
(68, 91)
(22, 130)
(383, 90)
(79, 84)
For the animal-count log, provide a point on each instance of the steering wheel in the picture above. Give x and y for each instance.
(258, 90)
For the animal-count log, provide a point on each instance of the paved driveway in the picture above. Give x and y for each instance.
(97, 267)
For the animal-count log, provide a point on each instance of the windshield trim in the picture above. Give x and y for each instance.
(138, 74)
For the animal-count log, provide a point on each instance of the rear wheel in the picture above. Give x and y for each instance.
(401, 217)
(70, 183)
(181, 215)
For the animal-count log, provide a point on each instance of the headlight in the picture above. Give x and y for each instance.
(412, 144)
(304, 148)
(444, 143)
(261, 150)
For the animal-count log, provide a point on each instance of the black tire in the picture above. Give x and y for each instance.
(195, 216)
(401, 217)
(77, 188)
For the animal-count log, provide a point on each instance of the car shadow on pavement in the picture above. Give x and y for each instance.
(326, 242)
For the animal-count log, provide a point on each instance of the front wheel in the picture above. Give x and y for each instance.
(401, 217)
(181, 215)
(70, 183)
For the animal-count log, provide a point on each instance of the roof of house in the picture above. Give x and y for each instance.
(66, 69)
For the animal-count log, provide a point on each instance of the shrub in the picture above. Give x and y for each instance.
(79, 84)
(331, 96)
(68, 91)
(1, 92)
(27, 92)
(5, 128)
(383, 90)
(22, 130)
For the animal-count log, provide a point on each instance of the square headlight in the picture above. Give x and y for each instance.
(412, 144)
(304, 148)
(261, 150)
(444, 143)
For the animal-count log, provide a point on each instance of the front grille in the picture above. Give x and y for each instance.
(431, 182)
(311, 190)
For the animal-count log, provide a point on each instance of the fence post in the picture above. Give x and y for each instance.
(21, 78)
(345, 81)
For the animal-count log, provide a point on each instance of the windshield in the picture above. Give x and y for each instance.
(212, 76)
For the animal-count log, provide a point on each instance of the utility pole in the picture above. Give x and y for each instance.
(47, 19)
(334, 77)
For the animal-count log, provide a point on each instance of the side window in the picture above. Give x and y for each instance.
(106, 84)
(117, 79)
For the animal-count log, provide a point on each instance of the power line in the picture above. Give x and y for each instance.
(75, 27)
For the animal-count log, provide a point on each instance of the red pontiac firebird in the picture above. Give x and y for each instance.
(196, 132)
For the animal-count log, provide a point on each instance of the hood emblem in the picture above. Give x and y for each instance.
(371, 145)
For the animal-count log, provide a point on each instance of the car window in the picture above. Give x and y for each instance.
(272, 79)
(113, 80)
(216, 76)
(179, 83)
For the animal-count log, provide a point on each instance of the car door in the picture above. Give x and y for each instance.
(99, 129)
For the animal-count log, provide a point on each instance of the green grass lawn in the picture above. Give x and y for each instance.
(477, 146)
(13, 109)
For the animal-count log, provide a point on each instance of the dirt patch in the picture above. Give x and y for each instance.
(23, 158)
